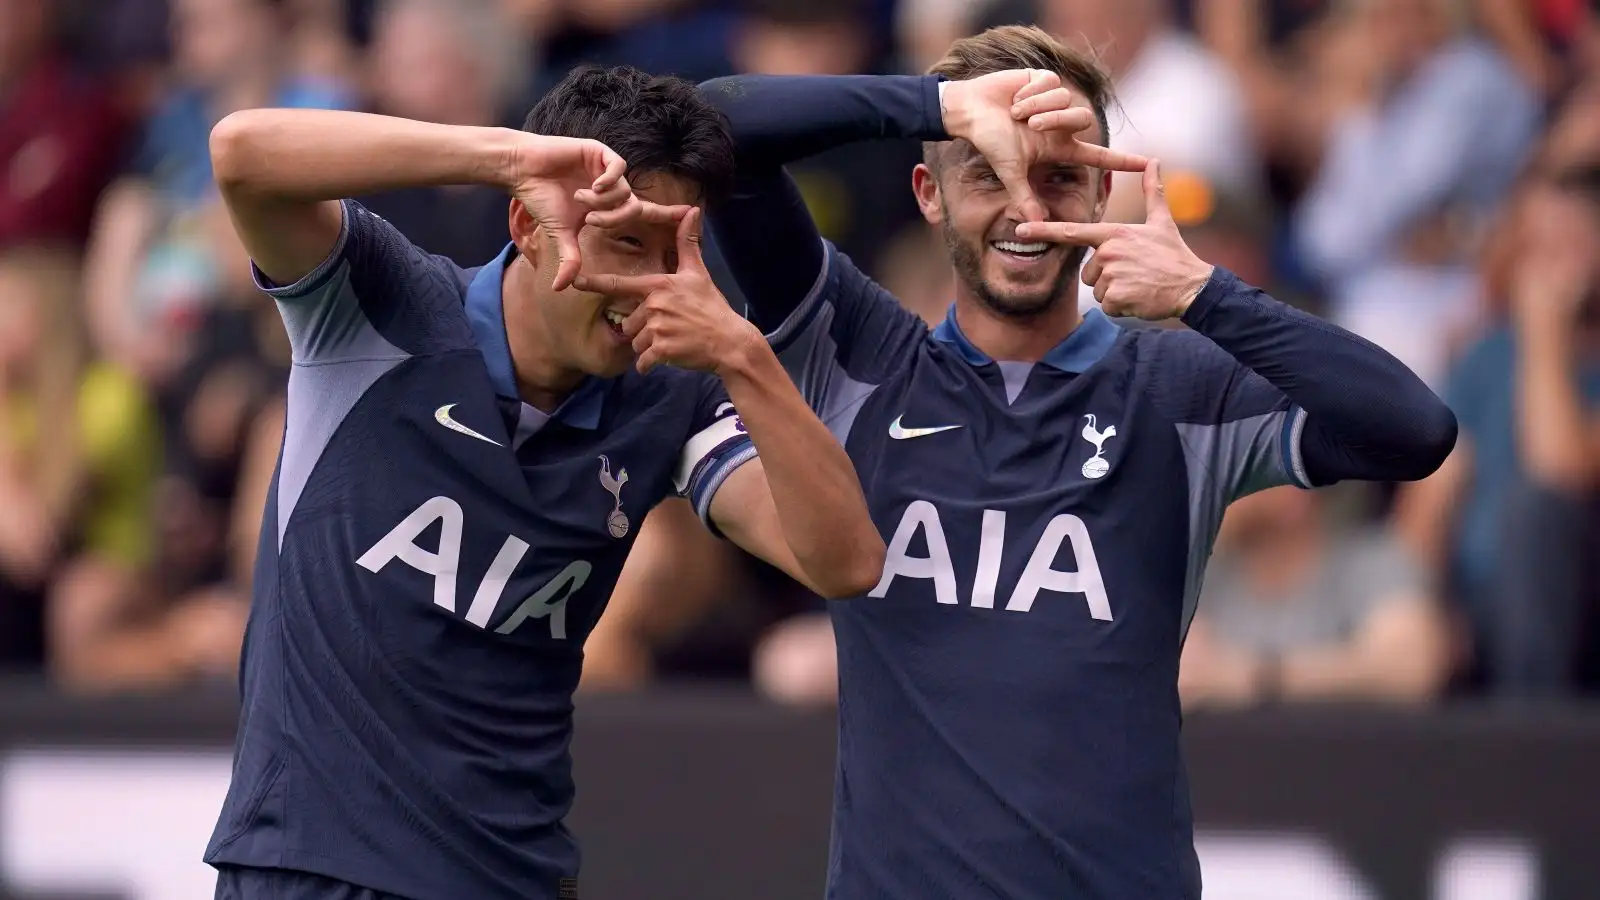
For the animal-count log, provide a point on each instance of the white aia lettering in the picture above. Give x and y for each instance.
(1040, 573)
(400, 543)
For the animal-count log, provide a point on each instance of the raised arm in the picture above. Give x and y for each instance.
(763, 229)
(799, 506)
(1353, 410)
(283, 172)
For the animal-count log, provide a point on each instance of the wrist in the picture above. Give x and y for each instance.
(952, 113)
(1192, 287)
(745, 355)
(512, 156)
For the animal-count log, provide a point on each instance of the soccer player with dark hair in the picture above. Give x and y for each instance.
(466, 455)
(1051, 481)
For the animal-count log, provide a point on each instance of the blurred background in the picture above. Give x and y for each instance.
(1423, 172)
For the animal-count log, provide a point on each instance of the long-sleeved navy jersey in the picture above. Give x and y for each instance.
(1009, 715)
(433, 554)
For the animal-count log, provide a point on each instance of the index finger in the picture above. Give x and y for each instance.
(615, 165)
(636, 211)
(1101, 157)
(1084, 234)
(620, 285)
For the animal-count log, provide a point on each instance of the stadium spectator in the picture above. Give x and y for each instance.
(1176, 101)
(79, 450)
(1510, 519)
(1297, 608)
(183, 617)
(1429, 126)
(149, 263)
(457, 64)
(60, 133)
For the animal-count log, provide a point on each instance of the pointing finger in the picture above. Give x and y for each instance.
(1155, 195)
(1083, 234)
(1106, 158)
(636, 212)
(1070, 121)
(620, 285)
(1040, 81)
(615, 166)
(1049, 101)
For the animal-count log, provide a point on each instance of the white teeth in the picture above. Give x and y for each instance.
(1015, 247)
(615, 317)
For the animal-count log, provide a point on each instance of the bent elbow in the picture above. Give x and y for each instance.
(859, 574)
(230, 145)
(1429, 441)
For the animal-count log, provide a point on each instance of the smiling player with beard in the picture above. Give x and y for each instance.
(1052, 482)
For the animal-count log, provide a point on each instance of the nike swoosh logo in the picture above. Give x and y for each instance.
(442, 416)
(900, 434)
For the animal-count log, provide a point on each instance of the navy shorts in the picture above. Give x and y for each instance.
(241, 883)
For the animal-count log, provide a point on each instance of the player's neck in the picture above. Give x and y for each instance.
(543, 380)
(1008, 339)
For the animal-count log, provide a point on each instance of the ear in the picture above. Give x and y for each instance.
(925, 185)
(525, 232)
(1104, 198)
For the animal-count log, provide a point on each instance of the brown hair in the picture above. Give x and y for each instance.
(1029, 47)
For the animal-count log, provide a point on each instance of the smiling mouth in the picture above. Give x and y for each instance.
(615, 320)
(1021, 250)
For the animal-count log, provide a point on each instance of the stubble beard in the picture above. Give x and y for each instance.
(967, 259)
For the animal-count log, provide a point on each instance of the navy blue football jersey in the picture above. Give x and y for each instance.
(1009, 716)
(433, 554)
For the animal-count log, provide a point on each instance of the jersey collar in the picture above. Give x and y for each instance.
(1083, 347)
(487, 316)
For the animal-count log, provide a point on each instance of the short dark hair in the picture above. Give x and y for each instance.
(1029, 47)
(661, 125)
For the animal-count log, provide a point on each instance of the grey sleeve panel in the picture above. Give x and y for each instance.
(1227, 461)
(320, 312)
(811, 357)
(321, 396)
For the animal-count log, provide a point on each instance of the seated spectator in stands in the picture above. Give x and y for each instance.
(60, 134)
(1295, 608)
(223, 416)
(79, 450)
(1175, 100)
(1510, 518)
(456, 64)
(1429, 125)
(149, 267)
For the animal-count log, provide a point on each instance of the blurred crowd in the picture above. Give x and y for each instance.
(1424, 172)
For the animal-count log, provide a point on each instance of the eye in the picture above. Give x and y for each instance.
(988, 177)
(629, 241)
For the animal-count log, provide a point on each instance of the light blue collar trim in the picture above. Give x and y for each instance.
(487, 317)
(1084, 347)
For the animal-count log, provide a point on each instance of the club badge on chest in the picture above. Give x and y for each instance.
(1096, 466)
(617, 522)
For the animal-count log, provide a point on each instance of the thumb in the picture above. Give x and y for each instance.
(1022, 195)
(567, 261)
(1155, 195)
(689, 236)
